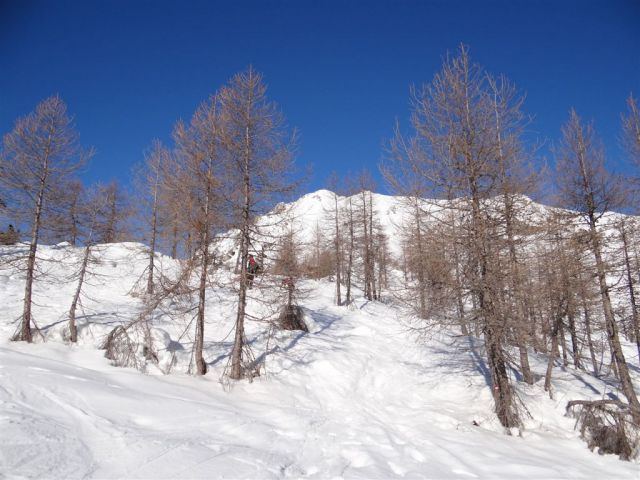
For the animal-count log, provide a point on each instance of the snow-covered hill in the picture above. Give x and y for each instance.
(357, 397)
(393, 215)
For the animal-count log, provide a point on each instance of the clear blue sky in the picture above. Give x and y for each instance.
(339, 70)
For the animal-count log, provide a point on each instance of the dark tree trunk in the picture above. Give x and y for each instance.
(557, 321)
(420, 255)
(201, 365)
(459, 292)
(73, 329)
(493, 326)
(25, 334)
(154, 228)
(337, 252)
(587, 325)
(563, 344)
(174, 242)
(237, 371)
(372, 257)
(350, 257)
(632, 296)
(575, 350)
(365, 245)
(612, 328)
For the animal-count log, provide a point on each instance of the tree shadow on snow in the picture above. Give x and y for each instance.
(86, 320)
(323, 319)
(579, 377)
(477, 359)
(463, 356)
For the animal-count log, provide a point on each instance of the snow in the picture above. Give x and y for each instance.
(359, 396)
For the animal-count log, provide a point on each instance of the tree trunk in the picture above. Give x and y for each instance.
(612, 328)
(587, 324)
(350, 257)
(74, 219)
(630, 286)
(501, 388)
(492, 327)
(476, 324)
(552, 354)
(420, 255)
(337, 250)
(25, 330)
(366, 260)
(174, 242)
(575, 350)
(372, 257)
(154, 228)
(73, 329)
(238, 345)
(515, 288)
(239, 256)
(563, 344)
(201, 365)
(382, 271)
(459, 297)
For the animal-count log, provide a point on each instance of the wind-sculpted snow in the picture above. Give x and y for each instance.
(356, 397)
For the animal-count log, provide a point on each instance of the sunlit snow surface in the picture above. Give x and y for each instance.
(356, 397)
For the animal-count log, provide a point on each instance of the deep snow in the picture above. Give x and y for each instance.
(359, 396)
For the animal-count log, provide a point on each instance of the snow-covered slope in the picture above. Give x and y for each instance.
(356, 397)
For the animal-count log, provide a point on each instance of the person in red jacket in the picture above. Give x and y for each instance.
(252, 269)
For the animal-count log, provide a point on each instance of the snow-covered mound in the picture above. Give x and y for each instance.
(356, 397)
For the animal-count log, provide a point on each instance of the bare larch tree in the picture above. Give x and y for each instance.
(150, 182)
(454, 154)
(258, 166)
(198, 166)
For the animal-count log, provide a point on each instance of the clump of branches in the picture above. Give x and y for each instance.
(172, 296)
(131, 345)
(287, 267)
(291, 315)
(609, 425)
(120, 348)
(124, 348)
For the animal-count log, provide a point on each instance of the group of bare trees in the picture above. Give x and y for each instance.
(353, 247)
(466, 150)
(41, 191)
(346, 243)
(479, 256)
(482, 256)
(231, 163)
(39, 160)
